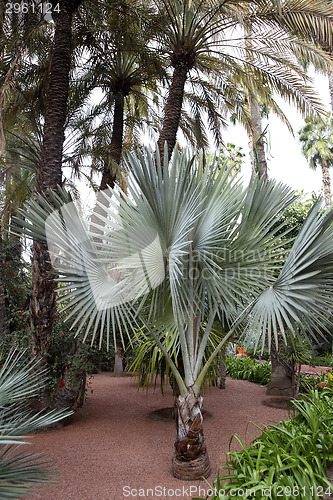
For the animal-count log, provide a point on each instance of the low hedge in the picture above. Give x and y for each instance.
(248, 369)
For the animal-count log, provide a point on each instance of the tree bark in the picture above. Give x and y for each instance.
(330, 86)
(223, 369)
(327, 183)
(281, 383)
(258, 156)
(50, 173)
(191, 460)
(4, 328)
(110, 170)
(43, 302)
(173, 111)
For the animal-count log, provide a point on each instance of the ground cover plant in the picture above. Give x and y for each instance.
(248, 369)
(288, 460)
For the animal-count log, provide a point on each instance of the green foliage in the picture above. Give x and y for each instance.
(149, 364)
(248, 369)
(317, 141)
(296, 351)
(69, 360)
(232, 156)
(21, 384)
(288, 460)
(325, 359)
(18, 285)
(293, 219)
(264, 355)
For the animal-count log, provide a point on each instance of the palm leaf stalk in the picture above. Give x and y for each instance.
(183, 247)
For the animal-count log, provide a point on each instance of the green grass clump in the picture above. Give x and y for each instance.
(288, 460)
(248, 369)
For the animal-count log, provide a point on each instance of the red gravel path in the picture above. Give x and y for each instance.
(113, 449)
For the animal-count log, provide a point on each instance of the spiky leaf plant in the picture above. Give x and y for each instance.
(184, 246)
(20, 383)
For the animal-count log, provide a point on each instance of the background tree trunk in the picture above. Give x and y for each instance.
(281, 383)
(330, 86)
(258, 155)
(110, 171)
(173, 110)
(43, 302)
(327, 183)
(4, 328)
(109, 176)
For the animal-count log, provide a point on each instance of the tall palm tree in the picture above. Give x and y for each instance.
(185, 246)
(300, 23)
(49, 176)
(317, 147)
(201, 39)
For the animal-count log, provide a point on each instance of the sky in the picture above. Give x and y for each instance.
(285, 160)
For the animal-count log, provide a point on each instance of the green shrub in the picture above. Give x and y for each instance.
(69, 360)
(248, 369)
(288, 460)
(265, 355)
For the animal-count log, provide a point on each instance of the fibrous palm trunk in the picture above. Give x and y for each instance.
(43, 301)
(173, 110)
(4, 328)
(191, 460)
(281, 383)
(258, 156)
(223, 369)
(330, 86)
(327, 183)
(110, 170)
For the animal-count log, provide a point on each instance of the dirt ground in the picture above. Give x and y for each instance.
(115, 449)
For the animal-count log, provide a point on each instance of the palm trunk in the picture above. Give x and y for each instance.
(281, 383)
(173, 111)
(223, 369)
(258, 156)
(43, 302)
(4, 328)
(191, 460)
(110, 171)
(330, 86)
(327, 183)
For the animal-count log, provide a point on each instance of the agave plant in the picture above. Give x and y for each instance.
(20, 383)
(184, 246)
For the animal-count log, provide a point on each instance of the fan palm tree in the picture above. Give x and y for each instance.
(185, 246)
(316, 138)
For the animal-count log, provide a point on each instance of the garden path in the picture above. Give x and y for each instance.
(113, 448)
